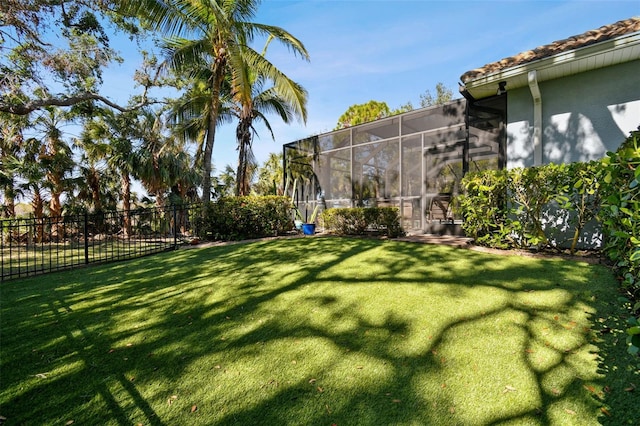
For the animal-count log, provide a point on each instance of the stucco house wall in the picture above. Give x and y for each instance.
(583, 116)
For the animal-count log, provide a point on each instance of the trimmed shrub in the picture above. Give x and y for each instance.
(484, 208)
(360, 220)
(237, 218)
(538, 207)
(345, 221)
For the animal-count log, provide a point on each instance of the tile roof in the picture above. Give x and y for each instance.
(590, 37)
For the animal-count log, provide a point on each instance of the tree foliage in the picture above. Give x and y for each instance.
(442, 96)
(363, 113)
(523, 207)
(270, 176)
(52, 53)
(214, 38)
(620, 213)
(263, 93)
(375, 110)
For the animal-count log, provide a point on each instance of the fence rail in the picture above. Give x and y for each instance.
(31, 246)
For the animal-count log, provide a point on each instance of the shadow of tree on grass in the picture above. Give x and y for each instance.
(314, 331)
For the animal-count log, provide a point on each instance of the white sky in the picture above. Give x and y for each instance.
(391, 51)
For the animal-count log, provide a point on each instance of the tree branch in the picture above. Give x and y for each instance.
(28, 107)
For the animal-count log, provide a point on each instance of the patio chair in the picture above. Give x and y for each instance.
(440, 208)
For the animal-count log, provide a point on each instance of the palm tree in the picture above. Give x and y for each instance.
(271, 176)
(94, 180)
(93, 185)
(156, 159)
(56, 159)
(251, 101)
(252, 105)
(219, 34)
(111, 135)
(29, 168)
(225, 183)
(11, 147)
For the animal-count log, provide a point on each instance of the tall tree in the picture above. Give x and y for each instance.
(95, 181)
(225, 183)
(11, 147)
(442, 96)
(185, 179)
(112, 135)
(217, 33)
(363, 113)
(189, 114)
(156, 159)
(252, 101)
(92, 187)
(270, 176)
(55, 157)
(32, 176)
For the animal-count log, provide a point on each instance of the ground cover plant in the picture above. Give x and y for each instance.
(318, 331)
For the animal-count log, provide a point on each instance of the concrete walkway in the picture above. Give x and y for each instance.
(447, 240)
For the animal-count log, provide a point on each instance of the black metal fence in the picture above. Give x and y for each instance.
(30, 246)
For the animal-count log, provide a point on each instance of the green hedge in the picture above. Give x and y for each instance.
(238, 218)
(544, 207)
(360, 220)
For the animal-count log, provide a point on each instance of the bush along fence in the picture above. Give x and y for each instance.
(238, 218)
(30, 246)
(593, 205)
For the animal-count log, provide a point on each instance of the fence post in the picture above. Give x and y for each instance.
(86, 238)
(175, 227)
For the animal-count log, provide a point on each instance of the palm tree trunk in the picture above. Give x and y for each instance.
(243, 136)
(218, 78)
(55, 210)
(126, 205)
(55, 206)
(9, 207)
(206, 165)
(160, 201)
(94, 186)
(38, 211)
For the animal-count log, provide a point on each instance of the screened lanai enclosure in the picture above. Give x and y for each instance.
(413, 161)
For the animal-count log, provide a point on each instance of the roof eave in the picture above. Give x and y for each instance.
(614, 51)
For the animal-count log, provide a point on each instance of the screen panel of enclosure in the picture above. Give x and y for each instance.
(414, 161)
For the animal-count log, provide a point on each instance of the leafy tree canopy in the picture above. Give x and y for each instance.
(442, 96)
(363, 113)
(375, 110)
(270, 176)
(52, 52)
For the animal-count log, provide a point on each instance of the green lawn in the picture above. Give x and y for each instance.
(318, 331)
